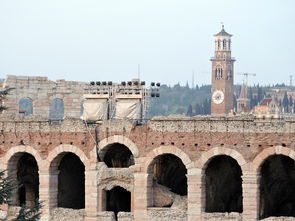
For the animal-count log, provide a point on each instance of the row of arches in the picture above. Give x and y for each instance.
(222, 176)
(56, 108)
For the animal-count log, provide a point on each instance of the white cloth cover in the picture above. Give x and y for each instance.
(128, 109)
(95, 109)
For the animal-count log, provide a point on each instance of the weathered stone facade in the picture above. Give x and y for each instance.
(195, 141)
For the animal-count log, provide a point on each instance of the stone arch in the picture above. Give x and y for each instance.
(207, 157)
(25, 106)
(54, 160)
(58, 152)
(56, 109)
(14, 152)
(273, 168)
(177, 159)
(103, 144)
(167, 150)
(263, 155)
(29, 187)
(118, 139)
(117, 199)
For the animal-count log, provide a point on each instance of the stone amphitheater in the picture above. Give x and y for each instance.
(168, 168)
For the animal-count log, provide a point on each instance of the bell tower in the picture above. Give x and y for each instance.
(222, 78)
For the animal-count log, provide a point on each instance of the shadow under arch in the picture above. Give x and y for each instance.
(67, 165)
(23, 166)
(162, 165)
(274, 167)
(104, 145)
(217, 160)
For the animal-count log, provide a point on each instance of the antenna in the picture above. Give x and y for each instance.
(246, 79)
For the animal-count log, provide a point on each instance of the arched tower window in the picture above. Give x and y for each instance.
(218, 43)
(25, 106)
(56, 111)
(229, 75)
(224, 44)
(218, 73)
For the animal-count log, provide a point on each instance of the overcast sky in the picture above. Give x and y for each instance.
(85, 40)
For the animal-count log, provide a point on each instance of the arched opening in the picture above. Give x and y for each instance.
(167, 176)
(118, 155)
(223, 185)
(277, 181)
(25, 106)
(71, 182)
(24, 168)
(67, 182)
(118, 199)
(56, 111)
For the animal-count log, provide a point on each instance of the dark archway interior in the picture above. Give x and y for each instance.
(223, 185)
(277, 182)
(118, 155)
(118, 199)
(71, 182)
(169, 171)
(28, 179)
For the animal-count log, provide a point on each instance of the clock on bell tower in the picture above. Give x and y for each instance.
(222, 78)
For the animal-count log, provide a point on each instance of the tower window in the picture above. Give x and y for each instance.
(228, 76)
(218, 73)
(224, 44)
(218, 43)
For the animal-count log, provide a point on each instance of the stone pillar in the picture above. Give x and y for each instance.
(53, 188)
(141, 198)
(250, 196)
(91, 194)
(44, 194)
(102, 200)
(194, 195)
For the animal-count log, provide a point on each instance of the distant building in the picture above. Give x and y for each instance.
(243, 102)
(267, 108)
(222, 92)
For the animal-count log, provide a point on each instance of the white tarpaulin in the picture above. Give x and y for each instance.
(128, 109)
(95, 109)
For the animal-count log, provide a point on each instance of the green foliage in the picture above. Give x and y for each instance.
(3, 93)
(29, 213)
(7, 185)
(176, 99)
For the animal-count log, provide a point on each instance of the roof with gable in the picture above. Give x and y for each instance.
(265, 101)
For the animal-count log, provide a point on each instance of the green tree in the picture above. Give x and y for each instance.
(189, 112)
(29, 213)
(3, 93)
(7, 185)
(286, 102)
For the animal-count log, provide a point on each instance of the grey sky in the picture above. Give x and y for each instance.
(105, 40)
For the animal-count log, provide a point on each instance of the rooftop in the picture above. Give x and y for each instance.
(223, 33)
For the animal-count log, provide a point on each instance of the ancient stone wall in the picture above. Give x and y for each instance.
(42, 91)
(248, 141)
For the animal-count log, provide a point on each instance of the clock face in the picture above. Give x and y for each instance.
(218, 97)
